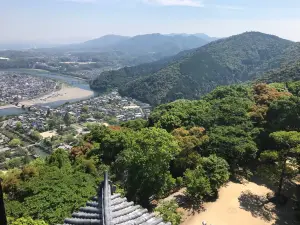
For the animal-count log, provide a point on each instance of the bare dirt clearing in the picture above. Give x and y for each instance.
(238, 204)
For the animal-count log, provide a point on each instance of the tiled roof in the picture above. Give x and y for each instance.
(111, 209)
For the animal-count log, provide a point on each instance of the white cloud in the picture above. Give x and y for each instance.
(191, 3)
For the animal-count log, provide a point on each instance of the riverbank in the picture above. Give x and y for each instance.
(64, 94)
(39, 72)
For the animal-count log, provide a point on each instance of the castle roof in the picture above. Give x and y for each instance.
(108, 208)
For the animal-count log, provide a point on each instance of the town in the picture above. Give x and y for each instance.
(38, 132)
(15, 87)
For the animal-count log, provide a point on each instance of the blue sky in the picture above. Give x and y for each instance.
(78, 20)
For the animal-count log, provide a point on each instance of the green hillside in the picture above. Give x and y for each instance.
(227, 61)
(116, 78)
(284, 74)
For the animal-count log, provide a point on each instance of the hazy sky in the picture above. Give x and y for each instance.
(78, 20)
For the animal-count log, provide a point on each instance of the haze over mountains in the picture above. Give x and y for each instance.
(154, 45)
(199, 35)
(106, 53)
(227, 61)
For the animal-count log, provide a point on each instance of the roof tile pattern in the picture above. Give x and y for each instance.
(112, 209)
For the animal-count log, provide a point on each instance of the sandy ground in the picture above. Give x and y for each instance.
(6, 106)
(65, 93)
(227, 211)
(48, 134)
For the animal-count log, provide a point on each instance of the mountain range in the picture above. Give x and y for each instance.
(196, 72)
(112, 51)
(119, 51)
(155, 45)
(199, 35)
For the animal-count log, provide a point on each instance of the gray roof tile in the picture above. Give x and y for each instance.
(116, 211)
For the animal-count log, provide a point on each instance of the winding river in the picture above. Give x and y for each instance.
(72, 81)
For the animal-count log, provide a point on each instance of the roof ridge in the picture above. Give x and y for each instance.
(113, 209)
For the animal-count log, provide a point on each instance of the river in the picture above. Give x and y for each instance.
(72, 81)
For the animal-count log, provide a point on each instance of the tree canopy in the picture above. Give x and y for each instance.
(145, 160)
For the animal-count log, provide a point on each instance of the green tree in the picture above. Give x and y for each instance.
(113, 143)
(112, 120)
(239, 91)
(190, 142)
(67, 119)
(2, 158)
(35, 135)
(28, 221)
(97, 133)
(84, 117)
(14, 163)
(85, 108)
(99, 115)
(233, 144)
(197, 185)
(182, 113)
(294, 87)
(70, 138)
(146, 161)
(48, 113)
(282, 159)
(207, 178)
(55, 194)
(168, 211)
(86, 165)
(137, 124)
(11, 183)
(217, 170)
(283, 114)
(54, 122)
(59, 158)
(231, 111)
(18, 125)
(15, 142)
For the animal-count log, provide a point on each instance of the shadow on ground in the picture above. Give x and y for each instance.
(257, 205)
(185, 203)
(262, 207)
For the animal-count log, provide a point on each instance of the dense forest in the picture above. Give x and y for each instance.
(234, 131)
(116, 78)
(283, 74)
(227, 61)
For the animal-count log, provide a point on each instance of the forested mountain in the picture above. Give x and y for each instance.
(116, 78)
(284, 74)
(226, 61)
